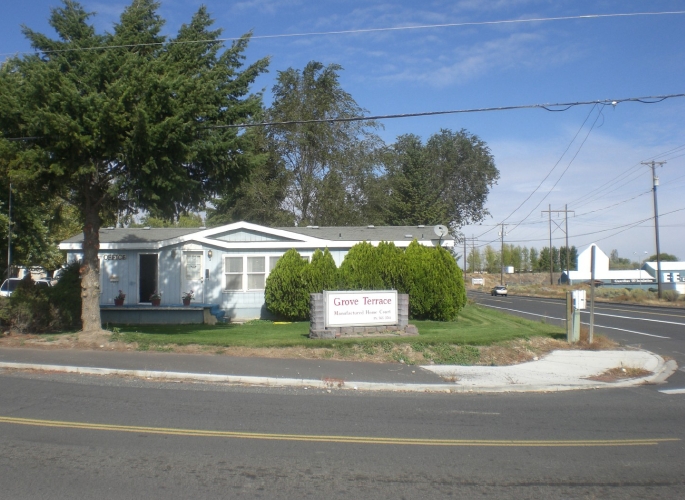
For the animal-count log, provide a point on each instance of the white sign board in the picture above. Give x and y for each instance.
(477, 281)
(579, 299)
(361, 308)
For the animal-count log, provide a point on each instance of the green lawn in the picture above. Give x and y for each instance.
(475, 326)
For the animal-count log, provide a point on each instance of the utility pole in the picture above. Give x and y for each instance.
(501, 258)
(464, 254)
(655, 183)
(473, 250)
(9, 235)
(565, 211)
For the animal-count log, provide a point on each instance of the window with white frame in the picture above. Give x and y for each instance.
(247, 272)
(233, 269)
(256, 273)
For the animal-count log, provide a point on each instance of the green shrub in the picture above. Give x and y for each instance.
(670, 295)
(39, 309)
(285, 293)
(65, 297)
(435, 283)
(5, 313)
(392, 266)
(360, 270)
(30, 309)
(321, 273)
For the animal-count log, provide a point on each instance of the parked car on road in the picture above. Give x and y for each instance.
(499, 290)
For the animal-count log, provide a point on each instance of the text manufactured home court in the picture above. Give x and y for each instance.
(224, 266)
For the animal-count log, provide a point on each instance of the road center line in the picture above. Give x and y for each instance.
(338, 439)
(564, 319)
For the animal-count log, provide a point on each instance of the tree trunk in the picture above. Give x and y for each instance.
(90, 272)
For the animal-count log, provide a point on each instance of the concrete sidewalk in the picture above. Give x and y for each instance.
(558, 371)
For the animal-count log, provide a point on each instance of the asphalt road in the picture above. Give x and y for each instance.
(68, 437)
(656, 329)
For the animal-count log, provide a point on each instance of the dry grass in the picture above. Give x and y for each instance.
(509, 352)
(538, 285)
(620, 373)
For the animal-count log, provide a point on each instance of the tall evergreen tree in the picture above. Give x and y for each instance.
(126, 119)
(446, 181)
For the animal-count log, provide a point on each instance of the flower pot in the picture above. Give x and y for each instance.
(186, 302)
(118, 302)
(156, 302)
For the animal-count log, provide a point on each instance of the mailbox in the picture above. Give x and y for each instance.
(579, 300)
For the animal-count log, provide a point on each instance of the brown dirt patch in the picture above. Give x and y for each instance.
(620, 373)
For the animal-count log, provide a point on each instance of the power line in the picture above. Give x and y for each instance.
(550, 172)
(567, 167)
(547, 107)
(566, 106)
(363, 30)
(634, 169)
(626, 226)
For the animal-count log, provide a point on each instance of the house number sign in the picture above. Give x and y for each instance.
(115, 256)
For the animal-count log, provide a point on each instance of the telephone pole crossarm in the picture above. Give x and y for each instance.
(565, 211)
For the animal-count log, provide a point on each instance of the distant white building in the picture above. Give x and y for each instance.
(672, 273)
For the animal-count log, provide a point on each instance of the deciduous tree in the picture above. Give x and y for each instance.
(329, 163)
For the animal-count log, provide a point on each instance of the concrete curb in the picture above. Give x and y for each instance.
(661, 373)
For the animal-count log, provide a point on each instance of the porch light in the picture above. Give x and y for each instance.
(209, 254)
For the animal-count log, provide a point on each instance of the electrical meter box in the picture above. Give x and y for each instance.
(579, 301)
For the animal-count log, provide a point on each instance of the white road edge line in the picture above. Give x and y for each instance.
(564, 319)
(672, 391)
(639, 319)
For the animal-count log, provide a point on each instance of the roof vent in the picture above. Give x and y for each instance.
(110, 228)
(312, 227)
(202, 227)
(147, 227)
(407, 235)
(371, 226)
(339, 235)
(420, 225)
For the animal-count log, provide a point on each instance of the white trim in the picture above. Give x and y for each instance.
(202, 235)
(252, 245)
(245, 273)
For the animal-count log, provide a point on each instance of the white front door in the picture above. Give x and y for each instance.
(193, 278)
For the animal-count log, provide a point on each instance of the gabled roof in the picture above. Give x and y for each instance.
(136, 235)
(282, 237)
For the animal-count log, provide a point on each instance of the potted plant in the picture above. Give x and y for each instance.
(156, 298)
(187, 297)
(119, 299)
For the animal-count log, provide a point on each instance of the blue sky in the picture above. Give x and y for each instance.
(597, 149)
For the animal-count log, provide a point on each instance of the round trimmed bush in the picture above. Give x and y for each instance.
(321, 273)
(285, 292)
(360, 270)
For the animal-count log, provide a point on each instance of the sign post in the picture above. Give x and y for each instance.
(579, 303)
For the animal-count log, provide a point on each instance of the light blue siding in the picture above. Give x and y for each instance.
(248, 236)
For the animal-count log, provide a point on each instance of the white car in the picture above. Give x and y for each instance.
(9, 286)
(499, 291)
